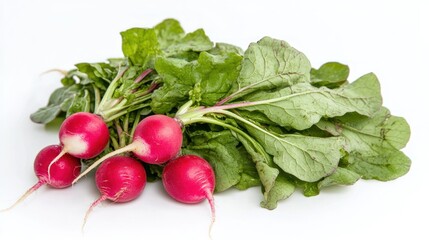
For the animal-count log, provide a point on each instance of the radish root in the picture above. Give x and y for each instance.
(210, 198)
(26, 194)
(94, 204)
(63, 151)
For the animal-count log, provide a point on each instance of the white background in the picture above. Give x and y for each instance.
(389, 38)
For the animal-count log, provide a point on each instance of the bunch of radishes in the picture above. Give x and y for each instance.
(122, 178)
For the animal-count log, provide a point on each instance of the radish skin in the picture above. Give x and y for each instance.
(83, 135)
(156, 139)
(190, 179)
(119, 179)
(63, 171)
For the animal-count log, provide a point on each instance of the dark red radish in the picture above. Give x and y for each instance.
(83, 135)
(156, 139)
(190, 179)
(119, 179)
(63, 171)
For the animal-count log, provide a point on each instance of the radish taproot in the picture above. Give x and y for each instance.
(63, 171)
(119, 179)
(83, 135)
(156, 139)
(190, 179)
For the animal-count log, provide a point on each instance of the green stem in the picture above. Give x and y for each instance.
(123, 107)
(124, 134)
(125, 111)
(136, 122)
(119, 131)
(217, 108)
(97, 97)
(241, 119)
(110, 90)
(114, 142)
(202, 119)
(240, 91)
(184, 108)
(233, 115)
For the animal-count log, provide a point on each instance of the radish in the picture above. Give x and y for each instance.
(156, 139)
(119, 179)
(190, 179)
(63, 171)
(82, 135)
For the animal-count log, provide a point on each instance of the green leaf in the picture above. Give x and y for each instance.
(220, 150)
(331, 75)
(387, 165)
(196, 41)
(225, 48)
(341, 176)
(216, 75)
(141, 46)
(59, 101)
(264, 167)
(173, 40)
(363, 133)
(46, 114)
(249, 175)
(177, 81)
(100, 74)
(80, 103)
(205, 80)
(168, 39)
(282, 189)
(270, 64)
(307, 158)
(61, 94)
(373, 143)
(310, 189)
(168, 32)
(302, 105)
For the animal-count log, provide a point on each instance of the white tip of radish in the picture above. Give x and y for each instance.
(141, 147)
(75, 144)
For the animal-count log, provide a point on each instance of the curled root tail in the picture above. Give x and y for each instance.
(26, 194)
(210, 198)
(93, 205)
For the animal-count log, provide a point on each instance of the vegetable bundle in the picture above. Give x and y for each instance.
(260, 117)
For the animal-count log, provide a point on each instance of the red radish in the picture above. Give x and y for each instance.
(63, 171)
(82, 135)
(157, 139)
(190, 179)
(119, 179)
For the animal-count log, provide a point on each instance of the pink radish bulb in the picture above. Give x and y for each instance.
(159, 138)
(82, 135)
(119, 179)
(190, 179)
(156, 139)
(63, 171)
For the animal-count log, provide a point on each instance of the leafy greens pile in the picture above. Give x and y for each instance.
(261, 117)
